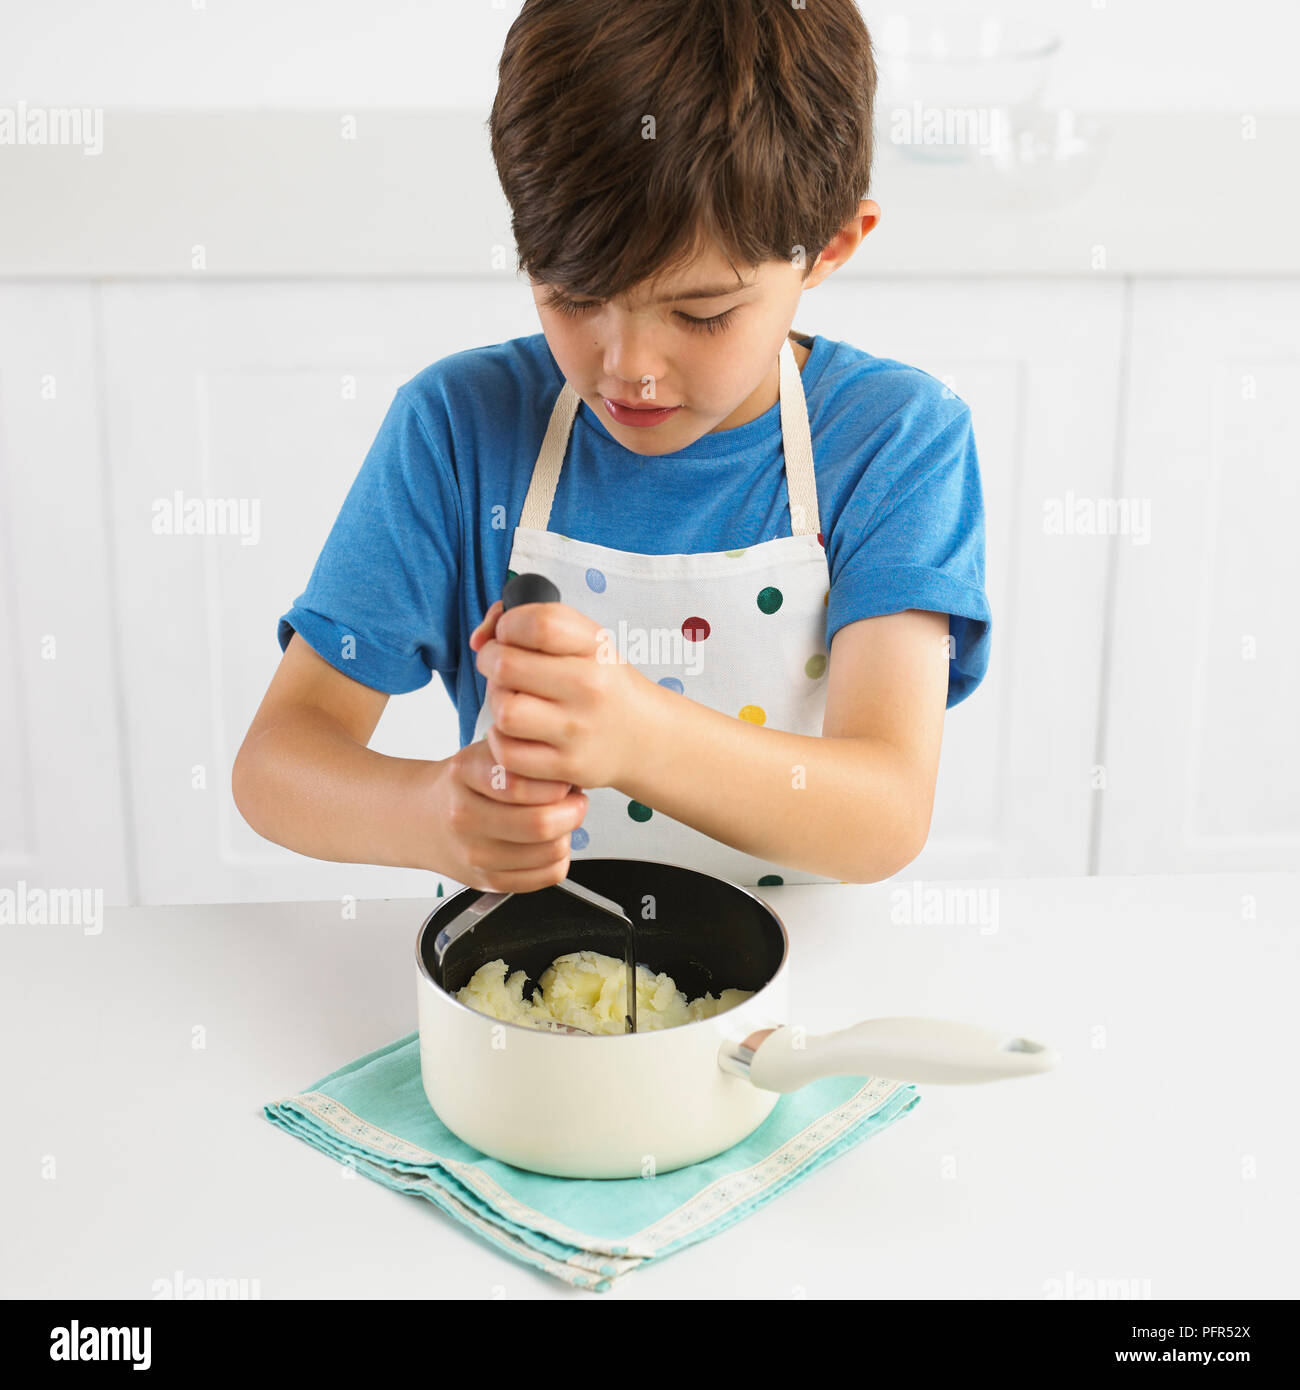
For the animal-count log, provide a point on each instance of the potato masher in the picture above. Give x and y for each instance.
(521, 589)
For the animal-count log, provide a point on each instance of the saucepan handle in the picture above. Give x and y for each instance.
(895, 1049)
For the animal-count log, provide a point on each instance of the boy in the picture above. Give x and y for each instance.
(769, 546)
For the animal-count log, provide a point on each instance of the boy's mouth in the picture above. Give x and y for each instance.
(639, 416)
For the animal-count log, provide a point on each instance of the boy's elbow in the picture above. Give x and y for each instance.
(243, 776)
(892, 852)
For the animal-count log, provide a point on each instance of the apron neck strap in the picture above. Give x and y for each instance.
(796, 441)
(550, 459)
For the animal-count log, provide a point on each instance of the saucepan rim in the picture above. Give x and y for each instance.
(577, 1037)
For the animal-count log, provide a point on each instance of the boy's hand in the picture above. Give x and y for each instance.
(562, 708)
(496, 830)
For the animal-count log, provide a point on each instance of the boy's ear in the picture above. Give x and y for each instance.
(845, 242)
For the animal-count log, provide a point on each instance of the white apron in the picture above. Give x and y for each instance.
(742, 631)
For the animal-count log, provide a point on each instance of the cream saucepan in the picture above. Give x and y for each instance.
(610, 1106)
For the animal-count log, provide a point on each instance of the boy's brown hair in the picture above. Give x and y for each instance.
(628, 133)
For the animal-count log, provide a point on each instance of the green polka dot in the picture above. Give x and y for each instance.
(510, 574)
(815, 665)
(770, 881)
(639, 812)
(608, 1269)
(769, 600)
(735, 554)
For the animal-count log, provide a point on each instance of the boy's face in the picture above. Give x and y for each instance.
(696, 351)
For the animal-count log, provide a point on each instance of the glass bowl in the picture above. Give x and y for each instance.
(952, 84)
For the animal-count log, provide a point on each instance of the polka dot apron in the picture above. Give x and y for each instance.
(742, 631)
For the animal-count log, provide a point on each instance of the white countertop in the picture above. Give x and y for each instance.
(1165, 1149)
(303, 194)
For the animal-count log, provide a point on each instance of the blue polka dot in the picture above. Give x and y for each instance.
(608, 1269)
(673, 684)
(579, 839)
(595, 581)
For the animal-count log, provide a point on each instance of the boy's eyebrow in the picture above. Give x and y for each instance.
(699, 292)
(705, 292)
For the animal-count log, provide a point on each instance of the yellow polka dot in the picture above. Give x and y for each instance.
(754, 714)
(734, 553)
(826, 599)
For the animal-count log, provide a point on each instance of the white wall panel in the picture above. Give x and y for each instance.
(1203, 744)
(235, 391)
(1039, 365)
(63, 815)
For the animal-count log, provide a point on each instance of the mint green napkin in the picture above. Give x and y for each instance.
(373, 1115)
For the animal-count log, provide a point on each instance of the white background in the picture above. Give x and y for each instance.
(1118, 55)
(1163, 374)
(1162, 1155)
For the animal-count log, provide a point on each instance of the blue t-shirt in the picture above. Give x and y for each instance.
(419, 550)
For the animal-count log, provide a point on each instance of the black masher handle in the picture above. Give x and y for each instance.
(528, 588)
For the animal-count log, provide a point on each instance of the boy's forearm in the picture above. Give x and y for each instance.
(849, 808)
(305, 783)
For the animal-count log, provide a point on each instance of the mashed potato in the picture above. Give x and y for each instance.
(587, 990)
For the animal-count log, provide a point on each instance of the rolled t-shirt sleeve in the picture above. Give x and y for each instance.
(381, 603)
(911, 535)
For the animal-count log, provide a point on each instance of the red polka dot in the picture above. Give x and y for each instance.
(821, 540)
(695, 629)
